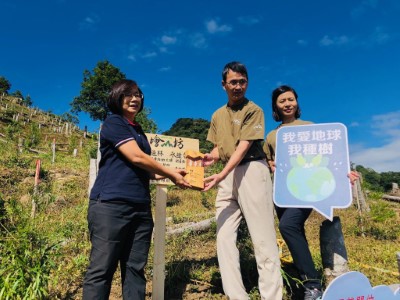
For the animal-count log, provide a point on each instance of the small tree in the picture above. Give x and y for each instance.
(5, 85)
(95, 89)
(17, 94)
(147, 124)
(28, 101)
(67, 117)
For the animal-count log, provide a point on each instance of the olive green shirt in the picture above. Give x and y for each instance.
(230, 125)
(270, 142)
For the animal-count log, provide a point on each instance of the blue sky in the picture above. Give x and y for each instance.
(342, 57)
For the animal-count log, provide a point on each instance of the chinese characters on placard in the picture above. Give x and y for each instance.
(159, 142)
(312, 164)
(320, 141)
(169, 151)
(369, 297)
(173, 157)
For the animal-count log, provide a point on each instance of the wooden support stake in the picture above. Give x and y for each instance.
(159, 243)
(398, 261)
(37, 178)
(53, 149)
(20, 144)
(92, 173)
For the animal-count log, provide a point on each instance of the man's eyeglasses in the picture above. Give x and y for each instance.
(241, 82)
(137, 96)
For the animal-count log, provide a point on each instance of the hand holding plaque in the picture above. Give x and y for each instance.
(194, 169)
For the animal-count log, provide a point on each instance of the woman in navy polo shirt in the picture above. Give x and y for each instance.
(119, 214)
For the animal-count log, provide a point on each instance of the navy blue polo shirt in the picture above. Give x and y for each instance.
(118, 179)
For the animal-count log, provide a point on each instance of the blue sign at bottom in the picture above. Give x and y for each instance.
(356, 286)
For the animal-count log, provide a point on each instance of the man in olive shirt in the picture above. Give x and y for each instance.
(244, 188)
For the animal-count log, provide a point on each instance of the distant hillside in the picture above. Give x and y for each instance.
(192, 128)
(44, 167)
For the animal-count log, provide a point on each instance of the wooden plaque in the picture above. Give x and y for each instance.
(194, 169)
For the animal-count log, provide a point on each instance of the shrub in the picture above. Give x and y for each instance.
(26, 259)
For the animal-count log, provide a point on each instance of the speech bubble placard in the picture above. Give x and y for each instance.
(312, 163)
(356, 286)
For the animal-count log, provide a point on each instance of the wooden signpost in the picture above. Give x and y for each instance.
(170, 152)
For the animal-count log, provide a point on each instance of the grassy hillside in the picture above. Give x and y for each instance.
(45, 254)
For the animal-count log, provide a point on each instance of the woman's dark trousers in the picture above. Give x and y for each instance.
(119, 232)
(291, 227)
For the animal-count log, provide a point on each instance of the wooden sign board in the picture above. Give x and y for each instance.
(170, 151)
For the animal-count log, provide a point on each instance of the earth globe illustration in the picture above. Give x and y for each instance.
(309, 179)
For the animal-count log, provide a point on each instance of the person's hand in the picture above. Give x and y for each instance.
(271, 165)
(353, 176)
(211, 181)
(181, 171)
(179, 180)
(208, 160)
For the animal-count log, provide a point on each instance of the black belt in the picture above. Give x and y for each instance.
(246, 160)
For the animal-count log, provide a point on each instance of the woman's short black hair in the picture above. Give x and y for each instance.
(275, 94)
(235, 67)
(119, 90)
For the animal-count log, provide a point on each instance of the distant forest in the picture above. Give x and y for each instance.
(192, 128)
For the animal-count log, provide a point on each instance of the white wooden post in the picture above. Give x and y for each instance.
(20, 144)
(398, 261)
(92, 173)
(159, 243)
(53, 149)
(37, 178)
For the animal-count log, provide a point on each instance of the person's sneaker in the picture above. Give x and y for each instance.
(312, 294)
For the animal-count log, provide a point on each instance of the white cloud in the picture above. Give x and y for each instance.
(213, 27)
(90, 22)
(302, 42)
(386, 157)
(132, 57)
(149, 54)
(198, 40)
(327, 41)
(132, 53)
(168, 40)
(164, 69)
(363, 7)
(379, 36)
(354, 124)
(249, 20)
(387, 125)
(380, 159)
